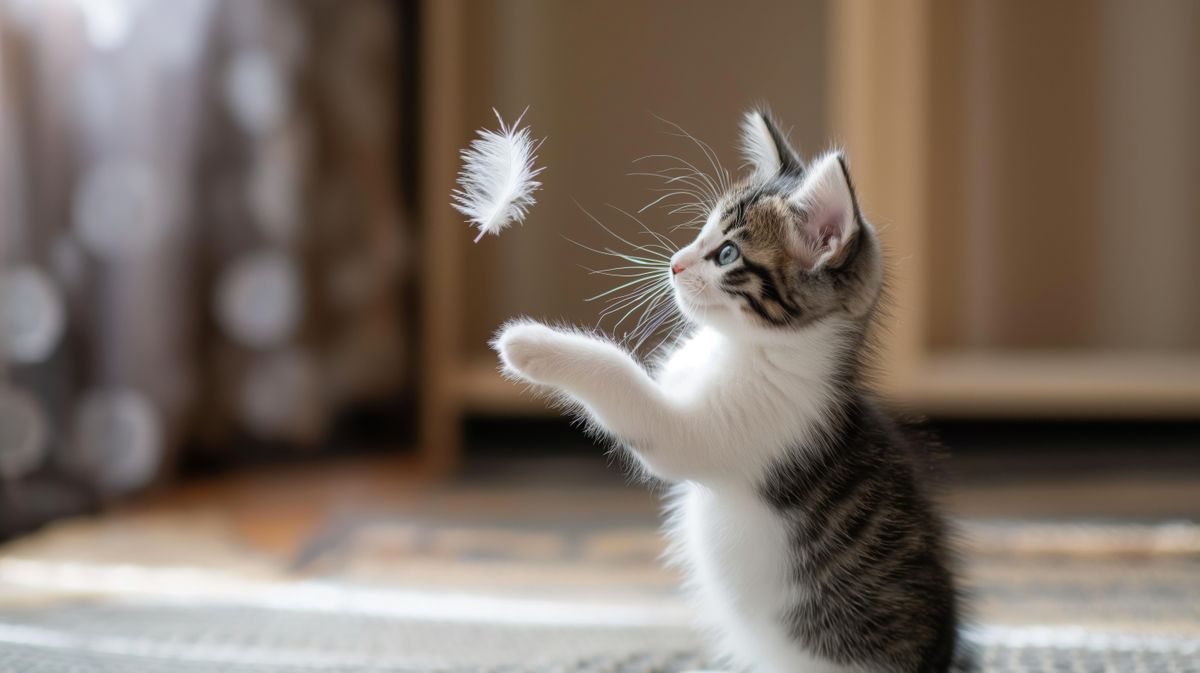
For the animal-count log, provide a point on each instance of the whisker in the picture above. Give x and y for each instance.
(649, 319)
(647, 287)
(618, 236)
(693, 180)
(709, 152)
(673, 327)
(653, 319)
(650, 328)
(660, 199)
(698, 191)
(621, 274)
(693, 223)
(618, 288)
(652, 315)
(635, 307)
(640, 271)
(681, 206)
(676, 191)
(712, 187)
(659, 261)
(663, 242)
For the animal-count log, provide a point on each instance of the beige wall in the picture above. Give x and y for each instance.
(1066, 162)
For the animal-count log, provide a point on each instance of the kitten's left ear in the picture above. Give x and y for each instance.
(829, 224)
(766, 148)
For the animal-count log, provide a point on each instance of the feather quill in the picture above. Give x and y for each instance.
(498, 177)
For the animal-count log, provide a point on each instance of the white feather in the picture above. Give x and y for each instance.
(497, 180)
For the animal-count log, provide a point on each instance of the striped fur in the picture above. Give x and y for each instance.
(867, 546)
(799, 513)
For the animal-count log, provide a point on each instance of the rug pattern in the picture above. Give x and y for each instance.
(435, 591)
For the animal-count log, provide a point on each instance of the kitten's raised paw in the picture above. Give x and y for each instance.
(528, 350)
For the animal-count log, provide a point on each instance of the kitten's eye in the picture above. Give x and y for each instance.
(728, 254)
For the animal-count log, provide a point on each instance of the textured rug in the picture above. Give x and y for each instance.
(571, 584)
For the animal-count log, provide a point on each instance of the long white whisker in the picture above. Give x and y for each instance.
(712, 187)
(652, 314)
(618, 288)
(664, 243)
(655, 314)
(709, 152)
(658, 261)
(697, 190)
(635, 307)
(619, 237)
(616, 303)
(623, 271)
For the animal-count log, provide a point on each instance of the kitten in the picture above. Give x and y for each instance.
(798, 513)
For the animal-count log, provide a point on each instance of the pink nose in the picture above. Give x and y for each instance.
(677, 269)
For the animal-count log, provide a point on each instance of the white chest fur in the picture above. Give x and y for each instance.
(751, 402)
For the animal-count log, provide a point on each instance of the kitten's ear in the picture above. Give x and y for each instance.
(766, 148)
(829, 222)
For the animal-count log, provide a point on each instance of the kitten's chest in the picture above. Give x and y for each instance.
(697, 366)
(735, 548)
(757, 407)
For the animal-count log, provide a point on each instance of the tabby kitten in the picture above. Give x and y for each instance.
(798, 513)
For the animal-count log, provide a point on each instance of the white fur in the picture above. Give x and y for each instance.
(497, 180)
(725, 404)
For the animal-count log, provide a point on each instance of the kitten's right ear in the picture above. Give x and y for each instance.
(766, 148)
(831, 219)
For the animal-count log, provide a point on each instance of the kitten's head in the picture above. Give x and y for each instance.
(782, 249)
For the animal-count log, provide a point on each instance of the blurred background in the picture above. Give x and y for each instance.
(242, 332)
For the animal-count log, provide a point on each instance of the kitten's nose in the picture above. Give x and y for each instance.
(677, 269)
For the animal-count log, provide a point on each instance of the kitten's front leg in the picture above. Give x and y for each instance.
(616, 390)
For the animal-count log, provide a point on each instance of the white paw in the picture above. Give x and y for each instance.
(529, 350)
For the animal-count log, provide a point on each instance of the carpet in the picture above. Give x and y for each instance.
(565, 582)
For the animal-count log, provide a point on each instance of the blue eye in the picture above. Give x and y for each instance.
(728, 254)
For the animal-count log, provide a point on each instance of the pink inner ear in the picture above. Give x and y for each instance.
(825, 234)
(830, 226)
(828, 236)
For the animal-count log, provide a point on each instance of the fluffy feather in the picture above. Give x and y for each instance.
(498, 178)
